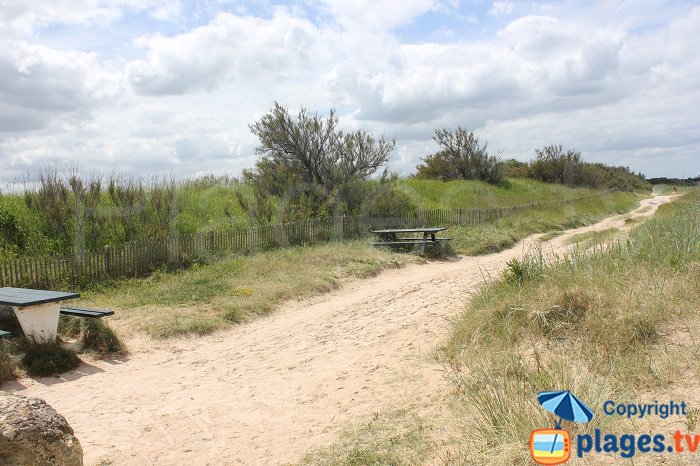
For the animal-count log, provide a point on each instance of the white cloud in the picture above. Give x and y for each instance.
(40, 83)
(501, 8)
(229, 48)
(620, 93)
(27, 16)
(377, 15)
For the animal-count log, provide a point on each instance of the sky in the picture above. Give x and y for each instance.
(171, 87)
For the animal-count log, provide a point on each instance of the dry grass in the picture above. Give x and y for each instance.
(591, 238)
(394, 438)
(8, 368)
(209, 297)
(503, 233)
(599, 324)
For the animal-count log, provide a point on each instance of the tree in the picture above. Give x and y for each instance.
(553, 165)
(462, 156)
(312, 150)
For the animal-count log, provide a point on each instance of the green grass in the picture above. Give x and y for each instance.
(590, 238)
(435, 194)
(669, 189)
(551, 235)
(616, 323)
(49, 360)
(213, 296)
(503, 233)
(97, 336)
(209, 297)
(391, 439)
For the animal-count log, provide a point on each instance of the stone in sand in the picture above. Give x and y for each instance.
(32, 433)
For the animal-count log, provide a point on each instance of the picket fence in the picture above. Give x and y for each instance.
(139, 258)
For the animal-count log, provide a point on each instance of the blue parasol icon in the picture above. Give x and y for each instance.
(565, 405)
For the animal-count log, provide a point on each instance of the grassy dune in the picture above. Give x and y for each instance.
(434, 194)
(619, 323)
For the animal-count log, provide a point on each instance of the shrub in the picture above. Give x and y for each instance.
(8, 369)
(49, 359)
(462, 156)
(553, 165)
(308, 157)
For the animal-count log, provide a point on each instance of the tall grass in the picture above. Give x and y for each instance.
(495, 236)
(213, 296)
(597, 324)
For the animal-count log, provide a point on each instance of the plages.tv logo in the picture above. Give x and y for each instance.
(553, 446)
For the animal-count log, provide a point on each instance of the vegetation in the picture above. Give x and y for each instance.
(395, 438)
(209, 297)
(590, 238)
(174, 208)
(434, 194)
(618, 322)
(8, 368)
(554, 165)
(462, 157)
(48, 360)
(500, 234)
(97, 336)
(597, 324)
(308, 160)
(689, 182)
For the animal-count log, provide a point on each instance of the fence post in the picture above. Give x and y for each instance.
(211, 241)
(108, 259)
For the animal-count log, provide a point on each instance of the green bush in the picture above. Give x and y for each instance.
(462, 156)
(49, 359)
(554, 165)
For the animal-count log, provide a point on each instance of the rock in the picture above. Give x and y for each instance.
(32, 433)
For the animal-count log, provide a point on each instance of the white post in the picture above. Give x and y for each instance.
(40, 322)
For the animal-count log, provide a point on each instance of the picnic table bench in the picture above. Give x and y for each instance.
(38, 310)
(396, 237)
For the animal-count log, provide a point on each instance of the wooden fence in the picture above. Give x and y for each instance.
(138, 258)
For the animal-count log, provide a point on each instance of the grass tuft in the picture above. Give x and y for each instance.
(8, 368)
(49, 360)
(97, 336)
(394, 438)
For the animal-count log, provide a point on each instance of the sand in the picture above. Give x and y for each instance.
(268, 391)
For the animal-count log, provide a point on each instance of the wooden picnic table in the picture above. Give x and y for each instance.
(390, 237)
(36, 310)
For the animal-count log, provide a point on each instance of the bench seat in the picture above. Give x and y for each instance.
(4, 334)
(404, 243)
(83, 312)
(430, 240)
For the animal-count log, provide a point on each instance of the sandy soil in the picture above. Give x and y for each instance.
(267, 391)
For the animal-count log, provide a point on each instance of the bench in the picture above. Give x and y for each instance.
(84, 312)
(395, 237)
(4, 334)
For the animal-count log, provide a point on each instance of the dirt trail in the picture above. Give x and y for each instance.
(267, 391)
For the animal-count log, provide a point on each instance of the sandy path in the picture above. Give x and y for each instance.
(267, 391)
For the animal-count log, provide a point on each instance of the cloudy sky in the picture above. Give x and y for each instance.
(161, 86)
